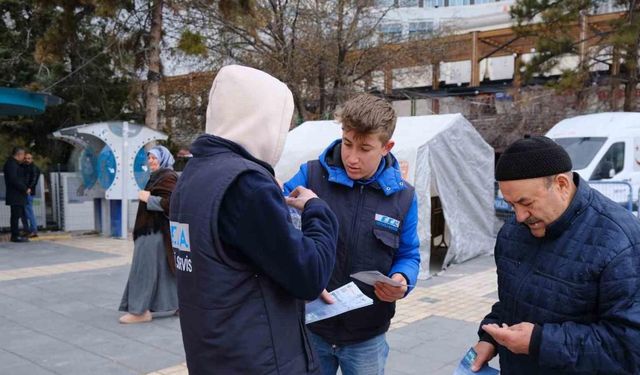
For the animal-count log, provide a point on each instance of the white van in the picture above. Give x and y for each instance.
(603, 146)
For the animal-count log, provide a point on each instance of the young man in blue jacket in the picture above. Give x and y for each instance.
(378, 215)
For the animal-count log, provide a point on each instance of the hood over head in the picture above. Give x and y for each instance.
(251, 108)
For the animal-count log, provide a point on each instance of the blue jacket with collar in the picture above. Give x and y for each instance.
(365, 242)
(580, 286)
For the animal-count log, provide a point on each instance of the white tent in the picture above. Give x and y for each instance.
(440, 155)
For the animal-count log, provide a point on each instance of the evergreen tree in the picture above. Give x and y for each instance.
(66, 48)
(560, 30)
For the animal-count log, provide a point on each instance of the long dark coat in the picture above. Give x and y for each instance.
(14, 181)
(161, 184)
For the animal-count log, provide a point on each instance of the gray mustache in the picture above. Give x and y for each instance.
(531, 220)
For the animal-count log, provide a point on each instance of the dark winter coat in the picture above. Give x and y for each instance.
(14, 180)
(31, 176)
(580, 285)
(161, 184)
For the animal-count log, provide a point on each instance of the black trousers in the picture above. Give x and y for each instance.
(17, 212)
(25, 222)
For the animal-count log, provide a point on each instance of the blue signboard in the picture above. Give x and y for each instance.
(141, 169)
(106, 167)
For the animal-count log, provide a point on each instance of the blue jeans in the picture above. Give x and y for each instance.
(364, 358)
(31, 217)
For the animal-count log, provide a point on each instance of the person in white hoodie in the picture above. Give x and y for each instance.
(243, 270)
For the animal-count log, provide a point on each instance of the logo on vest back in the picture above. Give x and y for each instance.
(180, 236)
(180, 242)
(387, 222)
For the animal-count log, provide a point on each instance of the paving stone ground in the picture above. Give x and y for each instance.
(59, 300)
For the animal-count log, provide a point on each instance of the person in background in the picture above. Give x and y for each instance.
(31, 175)
(152, 283)
(16, 191)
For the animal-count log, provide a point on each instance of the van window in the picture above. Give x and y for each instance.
(581, 150)
(613, 159)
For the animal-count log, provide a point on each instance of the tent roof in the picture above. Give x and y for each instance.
(410, 131)
(307, 141)
(417, 130)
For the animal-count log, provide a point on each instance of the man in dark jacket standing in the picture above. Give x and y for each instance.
(243, 270)
(568, 280)
(17, 190)
(32, 175)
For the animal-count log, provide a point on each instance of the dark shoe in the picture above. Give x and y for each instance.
(19, 239)
(33, 235)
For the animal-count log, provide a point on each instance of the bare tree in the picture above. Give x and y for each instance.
(153, 72)
(325, 50)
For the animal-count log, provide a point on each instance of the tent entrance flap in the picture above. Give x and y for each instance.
(440, 237)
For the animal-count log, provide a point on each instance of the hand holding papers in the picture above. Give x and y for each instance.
(346, 298)
(373, 277)
(465, 366)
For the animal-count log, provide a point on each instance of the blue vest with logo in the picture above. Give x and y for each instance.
(370, 227)
(234, 320)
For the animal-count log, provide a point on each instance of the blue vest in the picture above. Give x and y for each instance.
(365, 243)
(234, 320)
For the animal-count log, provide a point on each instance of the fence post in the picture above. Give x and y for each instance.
(59, 198)
(608, 189)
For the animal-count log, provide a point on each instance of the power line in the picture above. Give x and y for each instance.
(90, 60)
(79, 68)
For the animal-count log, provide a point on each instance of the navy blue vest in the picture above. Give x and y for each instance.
(362, 246)
(233, 319)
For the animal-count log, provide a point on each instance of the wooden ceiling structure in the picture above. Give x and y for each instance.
(479, 45)
(474, 46)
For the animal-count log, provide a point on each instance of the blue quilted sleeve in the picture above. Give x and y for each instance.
(611, 345)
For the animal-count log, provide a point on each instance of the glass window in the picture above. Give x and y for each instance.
(613, 159)
(484, 1)
(581, 150)
(391, 32)
(407, 3)
(453, 3)
(385, 3)
(420, 29)
(433, 3)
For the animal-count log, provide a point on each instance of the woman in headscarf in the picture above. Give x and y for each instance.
(152, 284)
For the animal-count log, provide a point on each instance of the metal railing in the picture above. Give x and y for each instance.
(503, 210)
(618, 191)
(638, 204)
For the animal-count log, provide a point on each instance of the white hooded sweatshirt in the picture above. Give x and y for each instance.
(251, 108)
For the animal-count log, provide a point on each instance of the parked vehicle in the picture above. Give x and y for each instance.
(604, 147)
